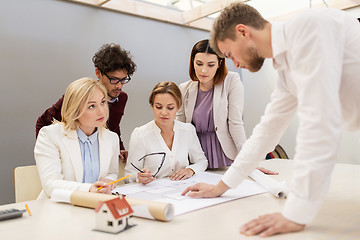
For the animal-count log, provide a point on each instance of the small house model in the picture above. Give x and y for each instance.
(113, 215)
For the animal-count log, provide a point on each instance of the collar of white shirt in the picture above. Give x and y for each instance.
(157, 129)
(113, 100)
(278, 45)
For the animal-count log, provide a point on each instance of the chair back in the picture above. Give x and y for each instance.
(278, 152)
(27, 183)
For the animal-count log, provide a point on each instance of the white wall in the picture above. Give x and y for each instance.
(354, 11)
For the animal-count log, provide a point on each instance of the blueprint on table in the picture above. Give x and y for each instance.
(166, 190)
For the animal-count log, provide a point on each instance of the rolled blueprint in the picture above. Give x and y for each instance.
(89, 199)
(274, 187)
(158, 210)
(142, 208)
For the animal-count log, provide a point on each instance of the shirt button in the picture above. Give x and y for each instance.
(215, 128)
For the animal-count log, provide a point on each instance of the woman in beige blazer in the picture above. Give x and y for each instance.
(213, 100)
(78, 153)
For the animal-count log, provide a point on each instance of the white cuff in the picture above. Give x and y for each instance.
(232, 178)
(112, 177)
(194, 170)
(133, 178)
(85, 187)
(299, 210)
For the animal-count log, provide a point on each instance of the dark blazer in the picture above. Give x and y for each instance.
(228, 105)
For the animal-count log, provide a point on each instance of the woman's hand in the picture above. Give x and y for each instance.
(182, 174)
(106, 180)
(204, 190)
(267, 171)
(106, 188)
(145, 177)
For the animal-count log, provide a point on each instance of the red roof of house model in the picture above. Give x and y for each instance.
(116, 206)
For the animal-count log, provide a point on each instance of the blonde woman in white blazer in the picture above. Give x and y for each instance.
(63, 160)
(211, 79)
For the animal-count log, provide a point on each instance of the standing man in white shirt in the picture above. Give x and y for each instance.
(317, 56)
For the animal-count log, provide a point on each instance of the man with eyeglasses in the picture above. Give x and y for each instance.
(113, 68)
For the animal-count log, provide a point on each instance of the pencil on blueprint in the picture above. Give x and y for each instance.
(115, 181)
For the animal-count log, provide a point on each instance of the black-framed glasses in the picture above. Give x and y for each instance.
(150, 154)
(115, 80)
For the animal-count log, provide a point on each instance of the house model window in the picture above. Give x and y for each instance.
(113, 215)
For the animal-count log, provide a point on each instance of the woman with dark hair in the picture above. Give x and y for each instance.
(213, 101)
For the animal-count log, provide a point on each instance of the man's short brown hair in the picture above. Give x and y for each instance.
(234, 14)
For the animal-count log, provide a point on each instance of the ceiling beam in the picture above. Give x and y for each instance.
(102, 2)
(203, 24)
(196, 17)
(207, 9)
(338, 4)
(148, 10)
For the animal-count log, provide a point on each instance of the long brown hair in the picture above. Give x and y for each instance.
(203, 46)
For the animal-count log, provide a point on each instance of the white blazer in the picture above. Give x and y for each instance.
(58, 159)
(147, 139)
(228, 106)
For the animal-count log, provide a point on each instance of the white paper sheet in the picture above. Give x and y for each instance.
(166, 190)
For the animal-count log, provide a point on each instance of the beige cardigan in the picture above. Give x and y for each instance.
(228, 105)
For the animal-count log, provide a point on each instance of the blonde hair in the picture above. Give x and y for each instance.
(77, 95)
(234, 14)
(166, 87)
